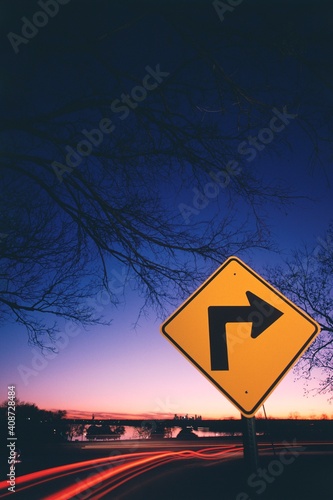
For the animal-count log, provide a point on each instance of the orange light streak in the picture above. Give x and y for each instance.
(136, 464)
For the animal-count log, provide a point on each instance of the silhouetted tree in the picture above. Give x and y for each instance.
(143, 432)
(34, 425)
(118, 430)
(136, 201)
(307, 279)
(76, 430)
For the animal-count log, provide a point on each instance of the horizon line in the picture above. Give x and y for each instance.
(104, 415)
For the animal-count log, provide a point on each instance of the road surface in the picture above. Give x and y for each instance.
(175, 470)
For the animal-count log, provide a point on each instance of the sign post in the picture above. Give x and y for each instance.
(250, 443)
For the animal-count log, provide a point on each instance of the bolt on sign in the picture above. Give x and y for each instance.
(240, 333)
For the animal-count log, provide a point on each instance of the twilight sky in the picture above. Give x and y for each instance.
(128, 368)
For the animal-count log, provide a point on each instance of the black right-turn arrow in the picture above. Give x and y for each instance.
(261, 314)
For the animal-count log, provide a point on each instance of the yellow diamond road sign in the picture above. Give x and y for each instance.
(241, 333)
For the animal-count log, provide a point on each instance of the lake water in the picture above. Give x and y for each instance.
(133, 433)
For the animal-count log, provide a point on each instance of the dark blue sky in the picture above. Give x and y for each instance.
(225, 86)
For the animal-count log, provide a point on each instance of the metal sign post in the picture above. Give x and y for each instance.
(250, 443)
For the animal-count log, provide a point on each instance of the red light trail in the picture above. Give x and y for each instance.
(118, 470)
